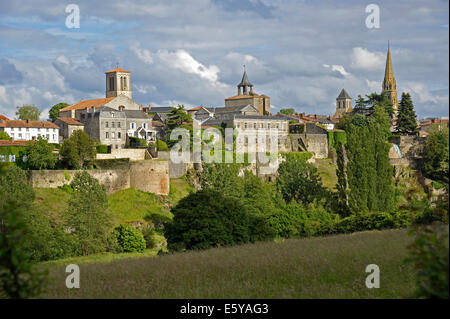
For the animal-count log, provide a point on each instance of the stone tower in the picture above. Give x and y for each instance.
(389, 85)
(245, 85)
(118, 81)
(343, 104)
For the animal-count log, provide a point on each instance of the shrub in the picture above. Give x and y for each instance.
(39, 155)
(149, 236)
(162, 146)
(102, 149)
(207, 218)
(130, 239)
(430, 255)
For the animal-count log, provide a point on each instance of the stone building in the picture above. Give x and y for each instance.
(67, 126)
(246, 96)
(139, 124)
(107, 125)
(343, 104)
(118, 96)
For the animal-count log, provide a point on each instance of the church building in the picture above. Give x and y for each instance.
(389, 86)
(246, 96)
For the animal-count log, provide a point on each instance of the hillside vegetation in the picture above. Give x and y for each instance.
(324, 267)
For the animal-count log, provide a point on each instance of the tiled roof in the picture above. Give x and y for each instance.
(117, 70)
(13, 143)
(87, 104)
(242, 96)
(69, 121)
(31, 124)
(2, 117)
(157, 124)
(136, 114)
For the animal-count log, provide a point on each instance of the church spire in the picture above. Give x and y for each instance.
(389, 84)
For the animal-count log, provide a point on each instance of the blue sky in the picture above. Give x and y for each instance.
(300, 53)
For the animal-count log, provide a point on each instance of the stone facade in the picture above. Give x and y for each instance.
(146, 176)
(67, 126)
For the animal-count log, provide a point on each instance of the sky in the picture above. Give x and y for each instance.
(300, 53)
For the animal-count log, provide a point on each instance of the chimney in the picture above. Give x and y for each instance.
(149, 107)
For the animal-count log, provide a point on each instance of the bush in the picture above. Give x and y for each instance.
(102, 149)
(130, 239)
(149, 236)
(162, 146)
(207, 218)
(373, 221)
(430, 255)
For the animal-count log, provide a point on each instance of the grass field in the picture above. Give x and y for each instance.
(325, 267)
(327, 172)
(125, 205)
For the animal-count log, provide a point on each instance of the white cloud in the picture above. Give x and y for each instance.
(143, 54)
(337, 68)
(420, 91)
(365, 60)
(183, 61)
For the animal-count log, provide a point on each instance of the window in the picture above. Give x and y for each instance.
(106, 134)
(254, 125)
(112, 124)
(261, 125)
(245, 125)
(117, 146)
(118, 124)
(113, 135)
(119, 135)
(277, 125)
(54, 136)
(268, 125)
(239, 125)
(132, 125)
(20, 135)
(106, 124)
(144, 125)
(111, 83)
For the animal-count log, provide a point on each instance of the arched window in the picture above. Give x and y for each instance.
(121, 108)
(111, 83)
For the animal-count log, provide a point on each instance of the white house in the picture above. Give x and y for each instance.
(27, 130)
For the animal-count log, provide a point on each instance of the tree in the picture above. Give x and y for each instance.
(298, 180)
(39, 155)
(288, 111)
(341, 186)
(178, 116)
(366, 105)
(130, 239)
(406, 120)
(368, 171)
(436, 155)
(78, 151)
(18, 276)
(54, 111)
(28, 112)
(87, 216)
(14, 186)
(208, 218)
(4, 135)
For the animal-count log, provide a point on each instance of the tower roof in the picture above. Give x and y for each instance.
(117, 70)
(245, 81)
(389, 71)
(343, 95)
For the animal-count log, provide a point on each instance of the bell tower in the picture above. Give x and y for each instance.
(118, 82)
(389, 86)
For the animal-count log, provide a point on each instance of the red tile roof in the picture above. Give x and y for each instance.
(2, 117)
(87, 104)
(14, 143)
(117, 70)
(31, 124)
(69, 121)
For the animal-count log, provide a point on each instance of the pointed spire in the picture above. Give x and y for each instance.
(389, 71)
(245, 81)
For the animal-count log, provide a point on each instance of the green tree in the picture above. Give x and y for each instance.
(18, 275)
(406, 119)
(177, 116)
(87, 216)
(288, 111)
(14, 186)
(4, 136)
(298, 180)
(436, 153)
(369, 173)
(54, 111)
(28, 112)
(207, 218)
(78, 151)
(341, 186)
(39, 155)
